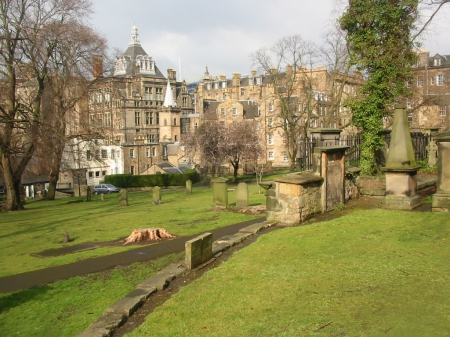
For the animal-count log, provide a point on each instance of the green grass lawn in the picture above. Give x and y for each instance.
(26, 233)
(369, 273)
(64, 308)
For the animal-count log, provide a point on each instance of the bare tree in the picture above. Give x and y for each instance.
(240, 144)
(29, 38)
(289, 64)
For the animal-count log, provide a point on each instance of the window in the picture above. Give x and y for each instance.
(132, 170)
(159, 94)
(97, 174)
(235, 112)
(174, 121)
(103, 173)
(137, 104)
(208, 86)
(285, 157)
(224, 96)
(99, 120)
(148, 118)
(437, 62)
(91, 119)
(271, 140)
(270, 107)
(250, 81)
(91, 174)
(432, 80)
(242, 91)
(154, 151)
(185, 104)
(88, 155)
(271, 155)
(104, 154)
(147, 152)
(442, 111)
(419, 81)
(408, 103)
(157, 118)
(131, 153)
(176, 138)
(108, 119)
(216, 85)
(224, 85)
(112, 154)
(440, 80)
(223, 111)
(148, 93)
(258, 80)
(137, 118)
(270, 122)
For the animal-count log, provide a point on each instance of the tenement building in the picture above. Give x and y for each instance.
(314, 98)
(430, 101)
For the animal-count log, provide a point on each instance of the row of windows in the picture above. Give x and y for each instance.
(434, 80)
(150, 118)
(149, 152)
(223, 84)
(102, 154)
(98, 174)
(223, 111)
(271, 156)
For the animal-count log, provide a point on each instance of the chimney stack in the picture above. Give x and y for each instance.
(97, 66)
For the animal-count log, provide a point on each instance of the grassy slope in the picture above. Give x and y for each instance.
(65, 308)
(41, 225)
(370, 273)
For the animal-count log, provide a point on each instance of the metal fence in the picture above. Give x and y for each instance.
(352, 155)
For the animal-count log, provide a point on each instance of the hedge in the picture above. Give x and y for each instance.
(128, 180)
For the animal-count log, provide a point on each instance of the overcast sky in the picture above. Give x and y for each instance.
(223, 34)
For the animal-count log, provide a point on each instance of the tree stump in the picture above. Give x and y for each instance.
(147, 234)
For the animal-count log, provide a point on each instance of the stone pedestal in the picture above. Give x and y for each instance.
(441, 199)
(401, 168)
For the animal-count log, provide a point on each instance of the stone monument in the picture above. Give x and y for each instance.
(242, 195)
(220, 192)
(441, 199)
(401, 167)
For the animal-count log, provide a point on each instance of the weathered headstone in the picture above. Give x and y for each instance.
(66, 237)
(189, 187)
(89, 193)
(432, 149)
(220, 192)
(156, 195)
(198, 251)
(102, 197)
(123, 197)
(242, 195)
(441, 199)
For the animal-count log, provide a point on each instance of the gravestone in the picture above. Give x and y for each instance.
(123, 197)
(102, 197)
(441, 199)
(432, 149)
(88, 193)
(242, 195)
(220, 192)
(198, 251)
(189, 187)
(156, 195)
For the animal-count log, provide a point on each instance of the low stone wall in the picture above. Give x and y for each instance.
(372, 185)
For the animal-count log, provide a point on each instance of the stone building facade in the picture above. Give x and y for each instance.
(316, 98)
(137, 109)
(430, 102)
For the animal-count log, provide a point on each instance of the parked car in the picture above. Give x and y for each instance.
(105, 188)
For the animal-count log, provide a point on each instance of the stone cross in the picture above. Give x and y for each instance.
(156, 195)
(242, 195)
(432, 149)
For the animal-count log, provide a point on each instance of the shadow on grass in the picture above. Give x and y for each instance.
(12, 300)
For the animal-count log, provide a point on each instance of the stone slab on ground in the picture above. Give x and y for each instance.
(255, 228)
(234, 239)
(94, 333)
(108, 321)
(175, 269)
(219, 247)
(128, 304)
(158, 281)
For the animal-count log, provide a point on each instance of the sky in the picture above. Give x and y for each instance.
(223, 34)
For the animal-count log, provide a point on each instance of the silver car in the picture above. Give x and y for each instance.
(105, 189)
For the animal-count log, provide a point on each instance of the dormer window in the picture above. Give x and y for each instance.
(437, 62)
(216, 85)
(224, 85)
(250, 81)
(258, 80)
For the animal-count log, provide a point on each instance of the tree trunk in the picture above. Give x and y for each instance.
(13, 202)
(235, 165)
(55, 168)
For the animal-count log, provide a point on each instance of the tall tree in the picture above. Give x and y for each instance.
(379, 40)
(29, 38)
(289, 64)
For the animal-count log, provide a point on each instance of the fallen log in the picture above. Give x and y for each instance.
(147, 234)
